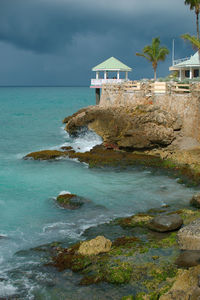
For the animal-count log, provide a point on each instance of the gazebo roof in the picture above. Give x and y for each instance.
(112, 64)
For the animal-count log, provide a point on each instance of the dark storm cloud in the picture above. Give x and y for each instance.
(46, 26)
(59, 41)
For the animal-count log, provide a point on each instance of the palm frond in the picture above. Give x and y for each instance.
(193, 40)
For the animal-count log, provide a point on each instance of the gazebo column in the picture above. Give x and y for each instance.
(117, 74)
(191, 73)
(126, 75)
(180, 74)
(105, 74)
(97, 75)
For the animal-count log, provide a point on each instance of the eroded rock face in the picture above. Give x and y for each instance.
(189, 236)
(166, 223)
(95, 246)
(143, 126)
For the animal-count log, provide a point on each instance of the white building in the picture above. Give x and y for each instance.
(188, 68)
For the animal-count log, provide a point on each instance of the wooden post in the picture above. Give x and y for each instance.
(97, 96)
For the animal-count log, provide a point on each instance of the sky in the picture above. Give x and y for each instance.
(57, 42)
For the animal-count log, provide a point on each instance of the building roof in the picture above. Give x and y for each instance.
(193, 61)
(112, 64)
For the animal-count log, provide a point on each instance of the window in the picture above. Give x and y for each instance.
(187, 73)
(196, 73)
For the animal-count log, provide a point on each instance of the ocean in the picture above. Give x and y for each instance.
(31, 120)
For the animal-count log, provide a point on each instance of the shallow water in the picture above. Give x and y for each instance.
(30, 120)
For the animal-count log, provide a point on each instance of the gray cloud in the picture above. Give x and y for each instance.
(58, 41)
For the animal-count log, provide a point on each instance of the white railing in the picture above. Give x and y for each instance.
(180, 60)
(100, 82)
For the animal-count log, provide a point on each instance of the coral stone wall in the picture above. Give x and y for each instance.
(186, 105)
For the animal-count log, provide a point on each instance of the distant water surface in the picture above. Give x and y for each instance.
(31, 120)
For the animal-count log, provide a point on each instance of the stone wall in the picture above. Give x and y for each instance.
(186, 105)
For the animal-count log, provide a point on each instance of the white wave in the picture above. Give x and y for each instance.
(85, 141)
(7, 289)
(64, 192)
(57, 225)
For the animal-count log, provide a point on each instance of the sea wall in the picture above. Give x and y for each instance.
(186, 105)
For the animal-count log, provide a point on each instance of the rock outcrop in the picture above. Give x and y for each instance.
(189, 236)
(95, 246)
(139, 127)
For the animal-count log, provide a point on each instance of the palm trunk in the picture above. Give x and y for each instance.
(197, 24)
(154, 74)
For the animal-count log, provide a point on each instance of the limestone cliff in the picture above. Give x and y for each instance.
(136, 127)
(185, 105)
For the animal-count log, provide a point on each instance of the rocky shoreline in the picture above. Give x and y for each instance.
(158, 258)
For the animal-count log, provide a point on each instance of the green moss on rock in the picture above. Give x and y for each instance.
(45, 155)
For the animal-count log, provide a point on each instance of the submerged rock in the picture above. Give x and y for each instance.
(69, 201)
(189, 236)
(166, 223)
(95, 246)
(45, 155)
(195, 201)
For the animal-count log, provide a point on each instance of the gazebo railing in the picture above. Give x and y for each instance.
(106, 81)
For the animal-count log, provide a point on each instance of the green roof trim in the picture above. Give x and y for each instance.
(112, 64)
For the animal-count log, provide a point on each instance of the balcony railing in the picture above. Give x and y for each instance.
(100, 82)
(178, 61)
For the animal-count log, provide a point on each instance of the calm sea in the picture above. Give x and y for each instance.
(31, 120)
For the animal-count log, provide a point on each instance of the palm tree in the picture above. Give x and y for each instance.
(154, 53)
(195, 4)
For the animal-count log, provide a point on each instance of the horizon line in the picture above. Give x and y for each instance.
(2, 86)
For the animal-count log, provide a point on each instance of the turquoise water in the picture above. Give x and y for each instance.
(31, 120)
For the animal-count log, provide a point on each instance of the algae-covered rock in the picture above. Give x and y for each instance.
(45, 155)
(165, 223)
(69, 201)
(138, 220)
(195, 201)
(189, 236)
(95, 246)
(185, 286)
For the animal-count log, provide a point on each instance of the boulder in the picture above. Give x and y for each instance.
(69, 201)
(139, 127)
(166, 223)
(189, 236)
(188, 258)
(195, 201)
(95, 246)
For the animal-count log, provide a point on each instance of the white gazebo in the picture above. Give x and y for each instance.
(188, 67)
(108, 72)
